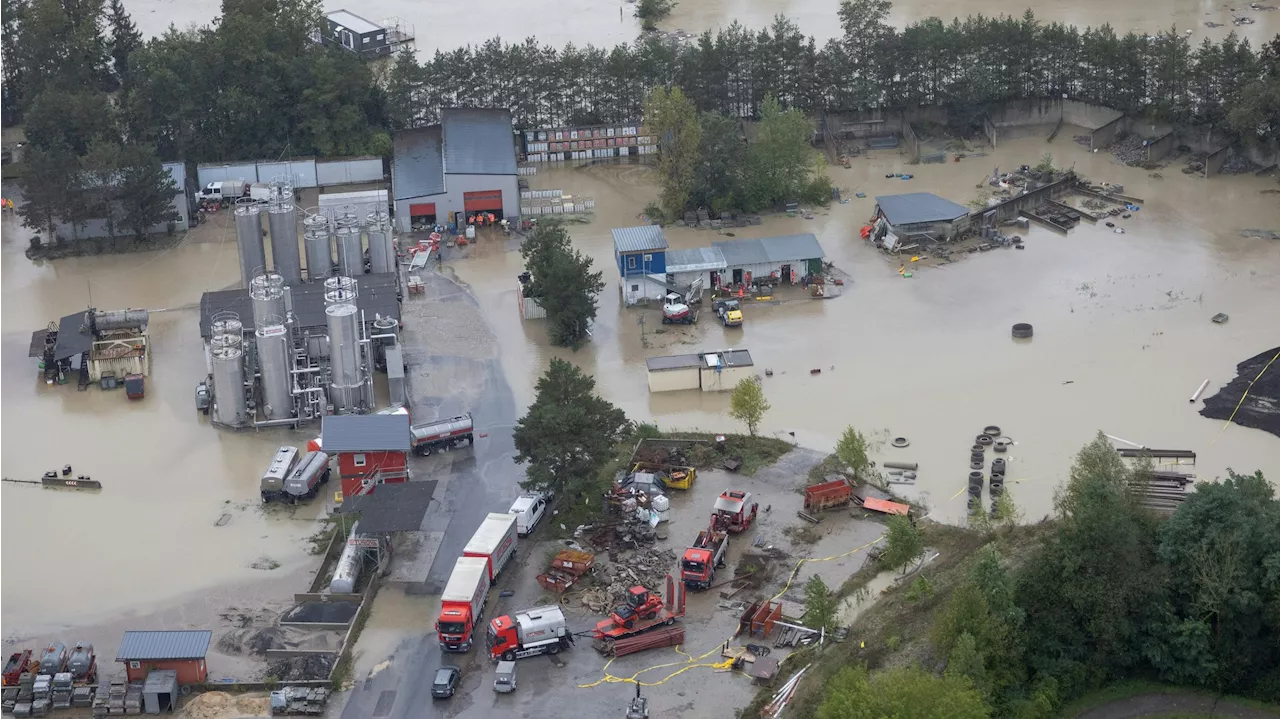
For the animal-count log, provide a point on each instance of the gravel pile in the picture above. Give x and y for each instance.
(1129, 150)
(1238, 165)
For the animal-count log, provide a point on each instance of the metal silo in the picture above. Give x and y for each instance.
(346, 385)
(266, 292)
(226, 323)
(319, 246)
(229, 406)
(348, 288)
(385, 334)
(273, 366)
(350, 251)
(382, 249)
(253, 258)
(282, 219)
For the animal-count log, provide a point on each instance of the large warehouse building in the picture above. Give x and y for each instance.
(464, 165)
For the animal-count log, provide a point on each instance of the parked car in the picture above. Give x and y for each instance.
(446, 681)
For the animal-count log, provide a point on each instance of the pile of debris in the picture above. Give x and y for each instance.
(1238, 164)
(645, 567)
(309, 666)
(299, 701)
(626, 533)
(1086, 140)
(1130, 149)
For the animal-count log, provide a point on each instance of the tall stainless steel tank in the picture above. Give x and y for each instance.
(266, 293)
(253, 258)
(319, 247)
(382, 251)
(282, 219)
(273, 366)
(346, 384)
(229, 405)
(350, 251)
(347, 285)
(226, 323)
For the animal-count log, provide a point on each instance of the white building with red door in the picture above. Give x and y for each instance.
(464, 165)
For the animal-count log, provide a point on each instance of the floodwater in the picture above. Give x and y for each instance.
(149, 538)
(1122, 325)
(604, 23)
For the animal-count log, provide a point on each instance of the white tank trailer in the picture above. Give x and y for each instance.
(305, 480)
(267, 295)
(350, 251)
(253, 258)
(347, 573)
(347, 372)
(229, 405)
(282, 219)
(318, 245)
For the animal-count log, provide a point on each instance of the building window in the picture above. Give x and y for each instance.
(381, 37)
(365, 40)
(635, 288)
(648, 258)
(631, 261)
(358, 460)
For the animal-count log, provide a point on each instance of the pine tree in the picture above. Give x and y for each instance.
(125, 40)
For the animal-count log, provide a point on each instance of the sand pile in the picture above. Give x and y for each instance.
(221, 705)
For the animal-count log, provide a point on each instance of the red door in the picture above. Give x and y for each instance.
(422, 209)
(484, 200)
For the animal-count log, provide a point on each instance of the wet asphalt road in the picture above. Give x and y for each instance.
(480, 480)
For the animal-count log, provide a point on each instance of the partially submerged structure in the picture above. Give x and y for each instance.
(96, 344)
(714, 371)
(905, 218)
(787, 258)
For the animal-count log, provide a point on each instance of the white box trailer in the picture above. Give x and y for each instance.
(462, 603)
(494, 541)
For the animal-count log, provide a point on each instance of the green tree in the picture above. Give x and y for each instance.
(781, 159)
(820, 605)
(672, 117)
(125, 40)
(903, 543)
(567, 435)
(146, 191)
(901, 693)
(101, 169)
(651, 11)
(717, 176)
(562, 282)
(747, 403)
(48, 187)
(851, 450)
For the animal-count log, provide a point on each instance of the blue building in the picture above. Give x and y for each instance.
(641, 256)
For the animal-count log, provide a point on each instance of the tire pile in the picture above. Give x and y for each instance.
(991, 438)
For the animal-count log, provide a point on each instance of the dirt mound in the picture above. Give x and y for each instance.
(221, 705)
(313, 666)
(1261, 408)
(251, 640)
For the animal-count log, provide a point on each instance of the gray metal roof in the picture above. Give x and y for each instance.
(171, 644)
(737, 358)
(697, 259)
(770, 250)
(377, 296)
(353, 22)
(365, 433)
(417, 166)
(393, 507)
(160, 681)
(645, 238)
(915, 207)
(658, 364)
(73, 336)
(478, 142)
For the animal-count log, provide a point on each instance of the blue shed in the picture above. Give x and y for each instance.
(641, 256)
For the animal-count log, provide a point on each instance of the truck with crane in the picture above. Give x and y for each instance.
(541, 630)
(462, 603)
(494, 542)
(698, 566)
(734, 511)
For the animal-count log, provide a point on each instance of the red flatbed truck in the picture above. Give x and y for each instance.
(698, 566)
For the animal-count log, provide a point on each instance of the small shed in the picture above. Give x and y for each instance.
(787, 258)
(674, 372)
(372, 449)
(685, 267)
(916, 213)
(721, 371)
(182, 651)
(160, 692)
(352, 32)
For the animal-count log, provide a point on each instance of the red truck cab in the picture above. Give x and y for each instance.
(462, 604)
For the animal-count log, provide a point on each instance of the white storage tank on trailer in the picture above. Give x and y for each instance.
(278, 471)
(494, 541)
(305, 480)
(541, 630)
(442, 434)
(347, 573)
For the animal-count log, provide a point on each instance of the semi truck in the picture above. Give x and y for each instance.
(232, 190)
(462, 603)
(541, 630)
(494, 542)
(698, 566)
(441, 434)
(282, 465)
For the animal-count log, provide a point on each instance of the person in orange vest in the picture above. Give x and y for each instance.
(492, 220)
(471, 219)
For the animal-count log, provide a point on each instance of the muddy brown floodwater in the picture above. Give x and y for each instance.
(1123, 335)
(440, 26)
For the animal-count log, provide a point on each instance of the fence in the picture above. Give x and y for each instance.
(530, 308)
(303, 174)
(911, 141)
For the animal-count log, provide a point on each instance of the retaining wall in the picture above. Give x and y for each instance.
(911, 142)
(1160, 147)
(1107, 134)
(1215, 160)
(989, 128)
(1013, 207)
(1048, 111)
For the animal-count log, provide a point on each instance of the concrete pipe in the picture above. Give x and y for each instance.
(1022, 331)
(913, 466)
(984, 439)
(978, 448)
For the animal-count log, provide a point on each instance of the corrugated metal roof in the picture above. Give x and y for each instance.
(177, 171)
(377, 296)
(353, 22)
(737, 358)
(417, 167)
(365, 432)
(742, 252)
(173, 644)
(658, 364)
(789, 248)
(645, 238)
(478, 142)
(697, 259)
(915, 207)
(73, 336)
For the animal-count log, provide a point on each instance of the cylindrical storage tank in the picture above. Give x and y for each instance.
(347, 572)
(226, 341)
(266, 293)
(273, 366)
(229, 405)
(119, 320)
(253, 258)
(350, 251)
(382, 251)
(226, 326)
(319, 254)
(282, 219)
(384, 326)
(340, 289)
(347, 380)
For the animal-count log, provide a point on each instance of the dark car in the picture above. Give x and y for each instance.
(446, 682)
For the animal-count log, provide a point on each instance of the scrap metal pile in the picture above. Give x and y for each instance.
(1131, 150)
(299, 700)
(647, 567)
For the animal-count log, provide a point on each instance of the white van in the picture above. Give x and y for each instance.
(528, 509)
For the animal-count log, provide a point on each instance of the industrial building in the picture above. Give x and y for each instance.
(786, 259)
(640, 254)
(182, 206)
(444, 173)
(95, 344)
(182, 651)
(372, 449)
(716, 371)
(901, 218)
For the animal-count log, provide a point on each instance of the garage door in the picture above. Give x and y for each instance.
(482, 200)
(422, 209)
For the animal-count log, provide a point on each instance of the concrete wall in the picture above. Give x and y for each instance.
(299, 173)
(671, 380)
(989, 129)
(349, 172)
(1107, 134)
(1011, 208)
(1160, 147)
(1215, 160)
(911, 142)
(642, 288)
(1048, 111)
(247, 171)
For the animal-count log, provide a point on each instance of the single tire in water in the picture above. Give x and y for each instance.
(1022, 331)
(991, 430)
(900, 442)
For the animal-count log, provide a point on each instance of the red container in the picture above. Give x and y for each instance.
(828, 494)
